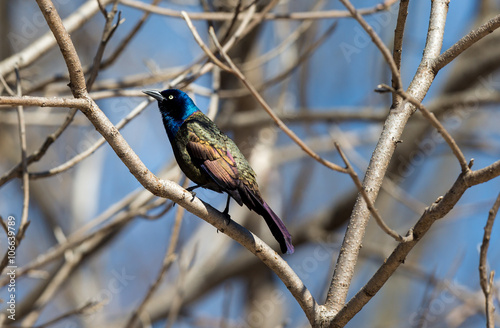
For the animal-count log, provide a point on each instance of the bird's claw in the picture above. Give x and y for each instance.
(192, 194)
(227, 218)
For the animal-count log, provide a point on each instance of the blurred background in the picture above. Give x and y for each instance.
(96, 235)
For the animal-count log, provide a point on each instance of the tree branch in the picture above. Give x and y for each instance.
(44, 43)
(226, 16)
(435, 123)
(379, 162)
(442, 206)
(466, 42)
(485, 279)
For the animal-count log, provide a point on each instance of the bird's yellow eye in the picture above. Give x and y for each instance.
(170, 97)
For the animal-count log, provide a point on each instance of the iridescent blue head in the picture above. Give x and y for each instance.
(175, 107)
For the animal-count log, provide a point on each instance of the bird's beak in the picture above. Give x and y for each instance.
(154, 93)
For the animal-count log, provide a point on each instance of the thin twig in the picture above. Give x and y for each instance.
(306, 55)
(4, 225)
(169, 258)
(125, 41)
(107, 33)
(202, 45)
(389, 186)
(87, 309)
(55, 283)
(6, 86)
(38, 154)
(89, 151)
(43, 102)
(369, 203)
(466, 42)
(485, 279)
(46, 42)
(254, 63)
(399, 33)
(271, 113)
(435, 123)
(84, 234)
(164, 211)
(378, 42)
(249, 22)
(213, 106)
(26, 194)
(226, 16)
(23, 224)
(303, 116)
(397, 50)
(232, 24)
(77, 81)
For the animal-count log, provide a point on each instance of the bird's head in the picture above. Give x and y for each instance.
(173, 103)
(175, 106)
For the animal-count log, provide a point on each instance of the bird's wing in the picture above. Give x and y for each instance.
(210, 150)
(214, 158)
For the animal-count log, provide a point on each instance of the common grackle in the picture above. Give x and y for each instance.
(212, 160)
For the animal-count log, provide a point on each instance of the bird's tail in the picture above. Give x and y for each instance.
(276, 226)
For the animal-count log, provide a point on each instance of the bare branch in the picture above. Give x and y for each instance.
(26, 194)
(225, 16)
(379, 162)
(202, 45)
(290, 39)
(397, 50)
(396, 77)
(23, 225)
(44, 43)
(370, 205)
(38, 154)
(43, 102)
(464, 43)
(109, 30)
(75, 70)
(87, 309)
(485, 279)
(435, 123)
(125, 41)
(89, 151)
(169, 258)
(442, 206)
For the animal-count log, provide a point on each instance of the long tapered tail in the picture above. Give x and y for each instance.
(275, 224)
(253, 200)
(278, 229)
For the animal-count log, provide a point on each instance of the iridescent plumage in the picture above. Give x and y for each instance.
(212, 160)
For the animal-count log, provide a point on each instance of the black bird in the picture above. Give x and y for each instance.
(212, 160)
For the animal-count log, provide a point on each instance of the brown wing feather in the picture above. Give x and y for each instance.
(216, 162)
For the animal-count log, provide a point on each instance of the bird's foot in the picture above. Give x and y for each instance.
(227, 220)
(227, 217)
(190, 189)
